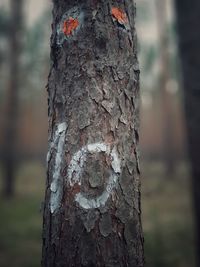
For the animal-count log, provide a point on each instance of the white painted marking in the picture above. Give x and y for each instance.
(76, 166)
(56, 184)
(98, 147)
(75, 170)
(115, 161)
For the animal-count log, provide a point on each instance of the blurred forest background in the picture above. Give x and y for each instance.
(166, 184)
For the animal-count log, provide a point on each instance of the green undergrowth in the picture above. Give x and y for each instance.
(21, 219)
(167, 218)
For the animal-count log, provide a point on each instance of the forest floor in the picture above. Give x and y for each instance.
(167, 218)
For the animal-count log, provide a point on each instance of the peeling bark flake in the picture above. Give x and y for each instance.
(119, 15)
(105, 225)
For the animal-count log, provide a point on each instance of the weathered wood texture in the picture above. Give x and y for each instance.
(188, 21)
(92, 205)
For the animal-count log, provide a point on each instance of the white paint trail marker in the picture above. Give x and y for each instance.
(75, 171)
(56, 189)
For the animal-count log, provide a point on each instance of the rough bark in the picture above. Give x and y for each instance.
(92, 205)
(188, 21)
(12, 100)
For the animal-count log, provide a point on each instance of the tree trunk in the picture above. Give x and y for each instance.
(188, 21)
(166, 103)
(92, 205)
(11, 116)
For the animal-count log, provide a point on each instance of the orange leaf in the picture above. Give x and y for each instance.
(119, 15)
(70, 25)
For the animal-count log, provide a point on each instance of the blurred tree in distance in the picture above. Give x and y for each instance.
(12, 99)
(161, 114)
(166, 98)
(188, 22)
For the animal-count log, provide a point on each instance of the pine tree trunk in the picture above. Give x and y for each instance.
(166, 102)
(188, 21)
(92, 205)
(11, 116)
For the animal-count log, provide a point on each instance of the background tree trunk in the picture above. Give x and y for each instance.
(166, 103)
(92, 205)
(11, 115)
(188, 21)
